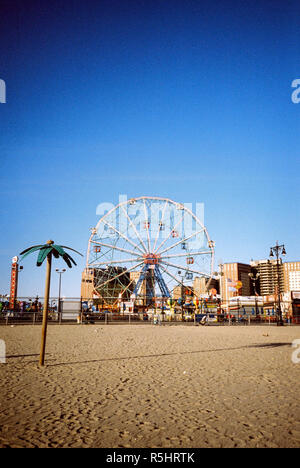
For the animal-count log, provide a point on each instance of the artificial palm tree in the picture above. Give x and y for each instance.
(47, 251)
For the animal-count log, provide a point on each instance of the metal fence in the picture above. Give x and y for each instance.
(85, 311)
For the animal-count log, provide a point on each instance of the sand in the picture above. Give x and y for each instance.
(150, 386)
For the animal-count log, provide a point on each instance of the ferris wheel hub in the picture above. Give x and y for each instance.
(151, 259)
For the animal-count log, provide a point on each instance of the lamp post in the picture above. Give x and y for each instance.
(254, 279)
(221, 266)
(277, 250)
(19, 270)
(60, 272)
(219, 274)
(181, 275)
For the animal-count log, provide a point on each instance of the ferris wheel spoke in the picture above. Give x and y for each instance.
(187, 254)
(147, 226)
(114, 247)
(174, 277)
(122, 235)
(180, 267)
(170, 274)
(159, 225)
(123, 291)
(115, 262)
(182, 240)
(134, 228)
(121, 274)
(170, 233)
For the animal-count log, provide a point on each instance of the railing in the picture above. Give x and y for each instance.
(81, 311)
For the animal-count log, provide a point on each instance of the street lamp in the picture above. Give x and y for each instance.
(254, 279)
(219, 274)
(181, 275)
(277, 250)
(60, 272)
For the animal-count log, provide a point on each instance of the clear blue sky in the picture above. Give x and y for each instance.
(186, 99)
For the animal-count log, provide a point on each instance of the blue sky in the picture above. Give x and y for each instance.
(189, 100)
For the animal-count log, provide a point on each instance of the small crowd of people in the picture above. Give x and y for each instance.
(20, 307)
(4, 306)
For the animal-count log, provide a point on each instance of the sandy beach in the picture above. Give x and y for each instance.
(150, 386)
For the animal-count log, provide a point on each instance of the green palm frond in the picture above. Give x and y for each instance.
(71, 258)
(42, 255)
(30, 250)
(65, 247)
(32, 247)
(59, 249)
(68, 259)
(50, 249)
(55, 253)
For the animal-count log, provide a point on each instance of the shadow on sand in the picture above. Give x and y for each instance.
(261, 345)
(21, 355)
(145, 356)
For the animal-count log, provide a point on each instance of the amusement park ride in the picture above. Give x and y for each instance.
(143, 249)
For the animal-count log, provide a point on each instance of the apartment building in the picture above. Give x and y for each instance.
(268, 276)
(87, 283)
(200, 286)
(291, 272)
(232, 274)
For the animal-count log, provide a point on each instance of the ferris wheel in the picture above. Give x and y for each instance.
(146, 247)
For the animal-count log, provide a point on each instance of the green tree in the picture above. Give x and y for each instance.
(48, 251)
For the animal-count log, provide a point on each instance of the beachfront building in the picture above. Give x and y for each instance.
(268, 281)
(182, 291)
(291, 274)
(233, 274)
(202, 286)
(87, 284)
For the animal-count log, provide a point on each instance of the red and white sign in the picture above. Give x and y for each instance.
(13, 283)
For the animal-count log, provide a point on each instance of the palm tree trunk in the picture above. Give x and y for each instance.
(45, 311)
